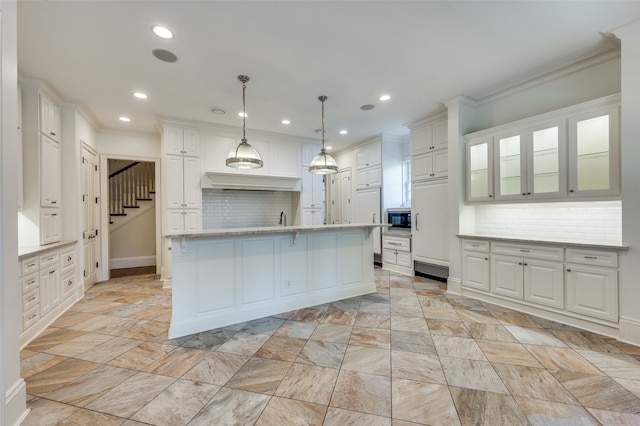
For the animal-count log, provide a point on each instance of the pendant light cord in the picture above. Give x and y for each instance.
(244, 112)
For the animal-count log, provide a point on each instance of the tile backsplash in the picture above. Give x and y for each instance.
(599, 221)
(222, 208)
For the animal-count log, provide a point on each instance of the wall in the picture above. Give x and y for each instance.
(630, 153)
(134, 244)
(13, 406)
(128, 145)
(223, 208)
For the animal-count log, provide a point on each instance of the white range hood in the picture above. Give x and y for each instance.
(218, 180)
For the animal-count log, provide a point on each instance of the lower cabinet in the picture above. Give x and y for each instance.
(573, 282)
(179, 220)
(312, 217)
(48, 281)
(396, 254)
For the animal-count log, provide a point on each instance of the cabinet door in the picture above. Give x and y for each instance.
(546, 161)
(430, 222)
(50, 172)
(175, 220)
(312, 217)
(440, 163)
(389, 257)
(50, 225)
(368, 211)
(192, 220)
(173, 140)
(67, 284)
(475, 270)
(312, 190)
(592, 291)
(49, 289)
(191, 142)
(49, 118)
(479, 170)
(510, 167)
(422, 167)
(421, 138)
(403, 258)
(544, 282)
(440, 135)
(369, 155)
(192, 187)
(507, 276)
(309, 151)
(594, 156)
(174, 181)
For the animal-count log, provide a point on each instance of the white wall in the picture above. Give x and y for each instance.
(134, 243)
(630, 153)
(13, 408)
(126, 144)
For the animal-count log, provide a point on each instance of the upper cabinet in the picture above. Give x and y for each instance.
(182, 141)
(49, 118)
(369, 155)
(594, 153)
(429, 136)
(429, 153)
(573, 152)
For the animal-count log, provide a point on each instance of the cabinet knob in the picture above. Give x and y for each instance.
(524, 193)
(490, 195)
(69, 259)
(486, 258)
(568, 270)
(519, 263)
(52, 133)
(571, 190)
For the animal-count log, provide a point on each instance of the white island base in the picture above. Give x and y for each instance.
(227, 276)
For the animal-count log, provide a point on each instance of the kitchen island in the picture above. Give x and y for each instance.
(227, 276)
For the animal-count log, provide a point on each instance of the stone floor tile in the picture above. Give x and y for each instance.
(408, 403)
(260, 375)
(544, 413)
(487, 408)
(367, 360)
(363, 392)
(232, 407)
(282, 411)
(308, 383)
(216, 368)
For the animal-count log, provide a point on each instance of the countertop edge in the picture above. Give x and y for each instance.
(270, 230)
(25, 252)
(524, 240)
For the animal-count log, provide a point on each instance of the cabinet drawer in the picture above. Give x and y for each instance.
(67, 257)
(396, 243)
(534, 252)
(30, 265)
(31, 317)
(67, 284)
(475, 245)
(49, 259)
(593, 257)
(29, 300)
(29, 283)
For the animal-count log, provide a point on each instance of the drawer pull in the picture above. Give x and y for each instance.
(393, 243)
(31, 299)
(32, 316)
(69, 283)
(524, 251)
(568, 270)
(31, 265)
(69, 259)
(31, 282)
(52, 272)
(475, 245)
(591, 257)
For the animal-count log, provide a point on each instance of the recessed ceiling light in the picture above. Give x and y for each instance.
(164, 55)
(384, 97)
(218, 111)
(243, 114)
(328, 148)
(125, 119)
(285, 121)
(140, 95)
(343, 132)
(367, 107)
(162, 32)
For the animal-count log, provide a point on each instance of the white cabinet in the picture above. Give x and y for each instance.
(431, 165)
(479, 169)
(430, 222)
(50, 172)
(312, 190)
(286, 159)
(367, 210)
(68, 272)
(429, 136)
(475, 264)
(532, 273)
(341, 197)
(531, 163)
(182, 177)
(49, 118)
(309, 151)
(369, 155)
(50, 225)
(49, 281)
(592, 283)
(569, 153)
(396, 253)
(369, 177)
(594, 153)
(312, 217)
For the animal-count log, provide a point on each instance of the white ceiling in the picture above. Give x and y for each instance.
(422, 53)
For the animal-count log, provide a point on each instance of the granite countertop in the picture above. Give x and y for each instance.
(24, 252)
(398, 232)
(611, 245)
(268, 230)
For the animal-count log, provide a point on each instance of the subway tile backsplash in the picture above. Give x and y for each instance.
(596, 222)
(223, 208)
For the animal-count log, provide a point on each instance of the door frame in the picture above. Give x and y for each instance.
(104, 272)
(85, 146)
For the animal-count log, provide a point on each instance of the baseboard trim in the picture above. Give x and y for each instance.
(629, 331)
(132, 262)
(16, 403)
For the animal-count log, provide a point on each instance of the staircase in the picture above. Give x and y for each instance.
(131, 192)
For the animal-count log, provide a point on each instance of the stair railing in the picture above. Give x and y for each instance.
(129, 185)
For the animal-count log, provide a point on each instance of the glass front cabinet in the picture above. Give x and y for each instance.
(569, 153)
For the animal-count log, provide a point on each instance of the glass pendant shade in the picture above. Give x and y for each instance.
(323, 163)
(244, 156)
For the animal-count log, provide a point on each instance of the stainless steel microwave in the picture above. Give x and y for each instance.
(399, 218)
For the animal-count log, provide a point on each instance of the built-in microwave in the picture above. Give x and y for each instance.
(399, 218)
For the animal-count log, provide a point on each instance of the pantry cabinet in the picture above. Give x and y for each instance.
(50, 172)
(430, 222)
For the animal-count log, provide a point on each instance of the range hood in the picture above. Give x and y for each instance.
(218, 180)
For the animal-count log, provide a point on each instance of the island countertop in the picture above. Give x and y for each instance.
(225, 232)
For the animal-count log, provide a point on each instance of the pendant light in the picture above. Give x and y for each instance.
(323, 163)
(244, 156)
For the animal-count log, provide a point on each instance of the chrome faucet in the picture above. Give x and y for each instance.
(283, 219)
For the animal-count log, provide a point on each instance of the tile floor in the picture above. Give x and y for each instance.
(408, 354)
